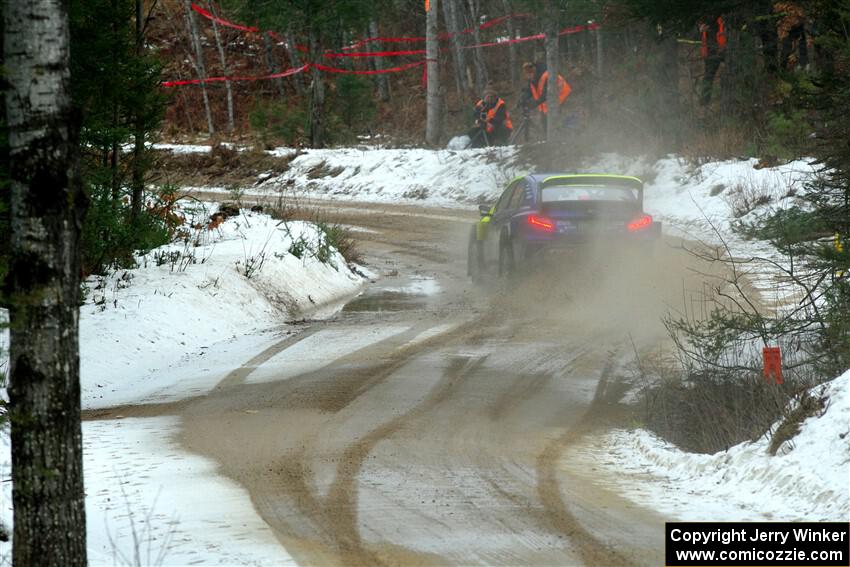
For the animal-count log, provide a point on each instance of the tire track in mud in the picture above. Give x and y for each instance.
(343, 494)
(236, 376)
(336, 514)
(334, 517)
(544, 504)
(591, 550)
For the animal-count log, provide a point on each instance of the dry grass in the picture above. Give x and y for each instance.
(707, 412)
(807, 406)
(707, 145)
(223, 166)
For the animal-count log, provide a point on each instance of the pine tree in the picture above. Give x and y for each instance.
(115, 88)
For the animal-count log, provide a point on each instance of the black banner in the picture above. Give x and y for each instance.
(757, 544)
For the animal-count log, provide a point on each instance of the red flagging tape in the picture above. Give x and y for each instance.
(441, 37)
(287, 73)
(494, 22)
(376, 53)
(373, 72)
(222, 21)
(565, 31)
(293, 71)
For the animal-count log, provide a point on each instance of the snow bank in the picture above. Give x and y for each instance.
(811, 481)
(214, 300)
(434, 177)
(691, 200)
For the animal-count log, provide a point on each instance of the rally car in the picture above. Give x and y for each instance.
(548, 211)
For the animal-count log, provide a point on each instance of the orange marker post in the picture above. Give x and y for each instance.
(772, 364)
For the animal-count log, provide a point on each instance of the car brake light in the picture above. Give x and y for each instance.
(541, 223)
(640, 223)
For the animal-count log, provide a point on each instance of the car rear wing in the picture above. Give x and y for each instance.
(600, 180)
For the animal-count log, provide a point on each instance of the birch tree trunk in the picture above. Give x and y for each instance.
(382, 82)
(227, 84)
(453, 27)
(432, 104)
(198, 62)
(47, 208)
(551, 46)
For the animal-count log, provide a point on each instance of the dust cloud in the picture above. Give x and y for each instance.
(608, 291)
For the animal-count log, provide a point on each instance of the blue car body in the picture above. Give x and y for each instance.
(541, 212)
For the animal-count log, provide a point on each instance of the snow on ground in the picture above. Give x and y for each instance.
(173, 328)
(695, 202)
(198, 301)
(700, 203)
(432, 177)
(176, 326)
(808, 479)
(182, 512)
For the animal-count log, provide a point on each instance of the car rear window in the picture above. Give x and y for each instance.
(556, 193)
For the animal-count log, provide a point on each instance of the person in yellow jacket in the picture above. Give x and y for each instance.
(493, 124)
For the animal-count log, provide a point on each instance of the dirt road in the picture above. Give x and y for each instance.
(425, 424)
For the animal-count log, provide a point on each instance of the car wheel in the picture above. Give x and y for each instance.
(531, 255)
(506, 258)
(474, 257)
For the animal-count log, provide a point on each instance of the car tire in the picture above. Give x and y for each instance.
(475, 257)
(507, 265)
(531, 256)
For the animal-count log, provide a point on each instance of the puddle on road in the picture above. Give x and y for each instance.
(413, 295)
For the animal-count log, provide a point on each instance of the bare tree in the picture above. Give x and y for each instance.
(481, 76)
(227, 84)
(512, 55)
(432, 52)
(47, 208)
(198, 59)
(378, 64)
(450, 15)
(138, 187)
(317, 96)
(271, 63)
(600, 51)
(292, 49)
(552, 50)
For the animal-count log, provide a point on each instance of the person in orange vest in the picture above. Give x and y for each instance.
(538, 79)
(492, 121)
(713, 51)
